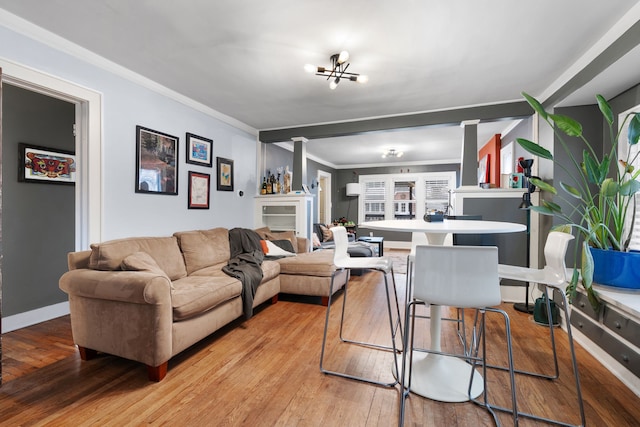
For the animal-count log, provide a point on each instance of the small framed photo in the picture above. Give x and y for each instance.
(156, 162)
(225, 174)
(199, 150)
(46, 165)
(305, 188)
(199, 190)
(483, 169)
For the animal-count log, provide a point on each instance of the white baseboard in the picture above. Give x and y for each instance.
(28, 318)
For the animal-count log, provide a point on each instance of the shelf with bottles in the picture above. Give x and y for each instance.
(276, 183)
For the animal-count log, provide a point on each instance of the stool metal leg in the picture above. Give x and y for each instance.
(574, 363)
(392, 329)
(396, 327)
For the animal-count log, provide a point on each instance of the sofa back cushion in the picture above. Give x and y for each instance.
(164, 251)
(204, 248)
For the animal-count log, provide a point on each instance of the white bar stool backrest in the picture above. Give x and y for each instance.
(340, 238)
(555, 250)
(458, 276)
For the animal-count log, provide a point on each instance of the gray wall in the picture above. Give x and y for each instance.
(592, 127)
(38, 219)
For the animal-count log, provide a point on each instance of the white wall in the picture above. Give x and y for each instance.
(127, 103)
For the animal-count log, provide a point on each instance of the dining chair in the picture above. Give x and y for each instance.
(552, 277)
(456, 276)
(420, 238)
(343, 261)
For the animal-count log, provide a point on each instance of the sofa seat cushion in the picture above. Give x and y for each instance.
(204, 248)
(108, 256)
(317, 263)
(193, 295)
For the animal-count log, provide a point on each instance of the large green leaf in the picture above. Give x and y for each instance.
(605, 108)
(573, 286)
(537, 107)
(554, 207)
(535, 149)
(542, 210)
(567, 124)
(587, 266)
(609, 188)
(592, 168)
(634, 129)
(563, 228)
(571, 190)
(630, 187)
(543, 185)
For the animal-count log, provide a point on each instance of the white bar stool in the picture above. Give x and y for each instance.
(343, 261)
(552, 276)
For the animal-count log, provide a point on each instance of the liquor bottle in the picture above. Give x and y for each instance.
(263, 190)
(269, 187)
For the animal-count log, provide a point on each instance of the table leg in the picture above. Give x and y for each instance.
(440, 377)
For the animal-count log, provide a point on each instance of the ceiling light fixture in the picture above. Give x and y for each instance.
(337, 71)
(392, 152)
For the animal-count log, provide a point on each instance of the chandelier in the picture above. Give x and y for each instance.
(337, 71)
(392, 152)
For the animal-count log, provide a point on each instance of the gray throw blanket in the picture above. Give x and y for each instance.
(245, 264)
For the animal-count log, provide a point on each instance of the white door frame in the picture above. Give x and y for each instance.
(88, 221)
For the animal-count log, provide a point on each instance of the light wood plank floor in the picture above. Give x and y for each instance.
(264, 372)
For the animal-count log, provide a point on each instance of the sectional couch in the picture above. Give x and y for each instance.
(149, 298)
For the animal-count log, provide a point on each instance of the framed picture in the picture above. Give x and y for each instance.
(506, 159)
(199, 190)
(48, 165)
(225, 174)
(199, 150)
(483, 169)
(305, 188)
(156, 162)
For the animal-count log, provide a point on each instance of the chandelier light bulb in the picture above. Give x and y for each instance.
(391, 152)
(310, 68)
(334, 83)
(343, 57)
(362, 79)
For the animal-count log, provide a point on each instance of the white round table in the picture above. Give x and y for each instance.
(439, 377)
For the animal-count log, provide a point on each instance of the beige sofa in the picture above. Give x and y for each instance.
(149, 298)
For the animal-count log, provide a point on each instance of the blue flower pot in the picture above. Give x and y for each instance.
(618, 269)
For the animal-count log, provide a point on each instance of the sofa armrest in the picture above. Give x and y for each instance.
(303, 245)
(137, 287)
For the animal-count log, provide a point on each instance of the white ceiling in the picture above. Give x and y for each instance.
(245, 58)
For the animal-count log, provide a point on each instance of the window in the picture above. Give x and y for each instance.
(405, 196)
(437, 194)
(374, 196)
(623, 147)
(404, 199)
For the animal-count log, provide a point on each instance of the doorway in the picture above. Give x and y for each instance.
(88, 188)
(324, 197)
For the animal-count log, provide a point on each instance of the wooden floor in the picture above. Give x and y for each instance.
(264, 372)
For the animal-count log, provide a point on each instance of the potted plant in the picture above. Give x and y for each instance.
(603, 189)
